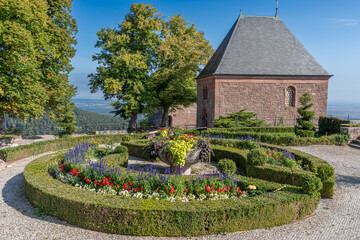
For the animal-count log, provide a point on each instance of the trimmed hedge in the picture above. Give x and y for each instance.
(112, 213)
(281, 174)
(138, 148)
(23, 151)
(330, 125)
(285, 139)
(117, 159)
(260, 129)
(238, 156)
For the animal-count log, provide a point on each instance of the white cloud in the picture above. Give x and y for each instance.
(345, 21)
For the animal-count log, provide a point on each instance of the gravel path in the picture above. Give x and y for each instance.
(337, 218)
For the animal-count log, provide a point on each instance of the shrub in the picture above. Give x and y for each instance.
(305, 128)
(257, 157)
(329, 125)
(225, 165)
(325, 172)
(341, 139)
(238, 118)
(121, 149)
(311, 184)
(93, 143)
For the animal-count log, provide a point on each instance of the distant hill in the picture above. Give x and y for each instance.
(85, 122)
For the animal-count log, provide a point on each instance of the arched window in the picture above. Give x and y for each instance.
(205, 92)
(290, 96)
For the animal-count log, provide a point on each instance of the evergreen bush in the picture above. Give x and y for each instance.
(257, 157)
(225, 165)
(240, 118)
(311, 184)
(305, 128)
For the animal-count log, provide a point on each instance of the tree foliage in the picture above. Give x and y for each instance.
(126, 61)
(305, 128)
(36, 45)
(181, 52)
(85, 122)
(148, 62)
(240, 118)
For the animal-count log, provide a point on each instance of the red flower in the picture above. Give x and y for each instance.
(124, 186)
(162, 143)
(128, 189)
(141, 189)
(130, 184)
(228, 189)
(219, 190)
(95, 182)
(186, 190)
(171, 191)
(62, 166)
(61, 169)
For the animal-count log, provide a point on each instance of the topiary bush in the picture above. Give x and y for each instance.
(325, 172)
(311, 184)
(257, 157)
(305, 128)
(121, 149)
(225, 165)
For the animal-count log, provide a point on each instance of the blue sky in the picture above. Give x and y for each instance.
(329, 29)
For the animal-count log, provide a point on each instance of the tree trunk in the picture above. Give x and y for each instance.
(2, 123)
(165, 118)
(132, 123)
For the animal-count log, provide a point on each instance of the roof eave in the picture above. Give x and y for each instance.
(270, 75)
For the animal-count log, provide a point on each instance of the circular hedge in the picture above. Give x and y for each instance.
(113, 213)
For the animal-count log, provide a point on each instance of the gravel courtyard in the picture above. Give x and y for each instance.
(337, 218)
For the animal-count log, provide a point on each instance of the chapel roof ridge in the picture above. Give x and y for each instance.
(261, 45)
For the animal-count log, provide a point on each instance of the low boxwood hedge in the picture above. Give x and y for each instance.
(23, 151)
(112, 213)
(138, 148)
(278, 173)
(285, 139)
(117, 159)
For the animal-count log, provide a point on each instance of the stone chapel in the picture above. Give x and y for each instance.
(261, 66)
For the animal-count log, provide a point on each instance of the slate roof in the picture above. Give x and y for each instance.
(258, 45)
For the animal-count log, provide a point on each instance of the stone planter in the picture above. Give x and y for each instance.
(193, 157)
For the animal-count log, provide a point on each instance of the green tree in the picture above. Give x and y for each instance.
(66, 120)
(126, 60)
(305, 128)
(36, 45)
(240, 118)
(180, 54)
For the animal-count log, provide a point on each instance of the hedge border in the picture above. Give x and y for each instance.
(161, 218)
(275, 173)
(268, 172)
(285, 139)
(14, 153)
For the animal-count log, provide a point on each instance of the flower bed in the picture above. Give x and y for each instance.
(114, 213)
(80, 169)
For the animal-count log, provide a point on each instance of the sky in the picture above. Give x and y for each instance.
(329, 29)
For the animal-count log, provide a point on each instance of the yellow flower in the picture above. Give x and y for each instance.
(252, 187)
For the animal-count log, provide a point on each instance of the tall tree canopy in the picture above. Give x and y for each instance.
(36, 45)
(148, 62)
(181, 52)
(126, 60)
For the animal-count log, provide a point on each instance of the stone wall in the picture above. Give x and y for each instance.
(354, 132)
(260, 94)
(184, 117)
